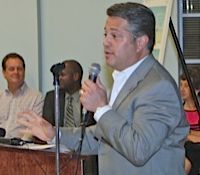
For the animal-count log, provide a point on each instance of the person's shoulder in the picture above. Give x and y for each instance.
(52, 92)
(49, 92)
(35, 93)
(32, 92)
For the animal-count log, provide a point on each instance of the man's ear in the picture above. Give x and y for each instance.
(3, 72)
(76, 76)
(142, 42)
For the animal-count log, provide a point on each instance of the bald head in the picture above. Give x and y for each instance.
(71, 76)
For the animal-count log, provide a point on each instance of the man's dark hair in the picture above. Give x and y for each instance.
(140, 18)
(12, 55)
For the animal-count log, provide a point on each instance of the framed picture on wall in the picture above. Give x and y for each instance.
(162, 11)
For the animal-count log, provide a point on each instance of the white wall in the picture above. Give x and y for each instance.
(73, 29)
(171, 55)
(18, 33)
(68, 29)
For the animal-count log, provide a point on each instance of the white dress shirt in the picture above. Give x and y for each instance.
(120, 78)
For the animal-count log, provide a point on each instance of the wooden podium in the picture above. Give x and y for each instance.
(17, 161)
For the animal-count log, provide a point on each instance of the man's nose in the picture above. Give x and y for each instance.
(15, 70)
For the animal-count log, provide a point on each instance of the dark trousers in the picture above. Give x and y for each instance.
(193, 154)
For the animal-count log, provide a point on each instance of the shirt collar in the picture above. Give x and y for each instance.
(21, 89)
(75, 95)
(128, 71)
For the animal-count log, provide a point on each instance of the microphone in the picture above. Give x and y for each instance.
(88, 119)
(57, 68)
(94, 71)
(11, 141)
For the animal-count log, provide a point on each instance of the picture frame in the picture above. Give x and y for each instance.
(162, 11)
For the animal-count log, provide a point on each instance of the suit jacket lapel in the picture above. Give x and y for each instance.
(62, 107)
(132, 82)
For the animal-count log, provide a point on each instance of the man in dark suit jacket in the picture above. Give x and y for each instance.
(70, 84)
(49, 110)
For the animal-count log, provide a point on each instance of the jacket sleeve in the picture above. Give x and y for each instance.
(143, 123)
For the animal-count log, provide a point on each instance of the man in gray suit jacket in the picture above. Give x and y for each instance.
(141, 129)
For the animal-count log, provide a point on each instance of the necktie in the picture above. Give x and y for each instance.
(69, 120)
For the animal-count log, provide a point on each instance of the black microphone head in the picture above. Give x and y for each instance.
(57, 68)
(94, 71)
(2, 132)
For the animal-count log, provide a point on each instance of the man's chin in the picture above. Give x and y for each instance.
(16, 82)
(109, 63)
(61, 86)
